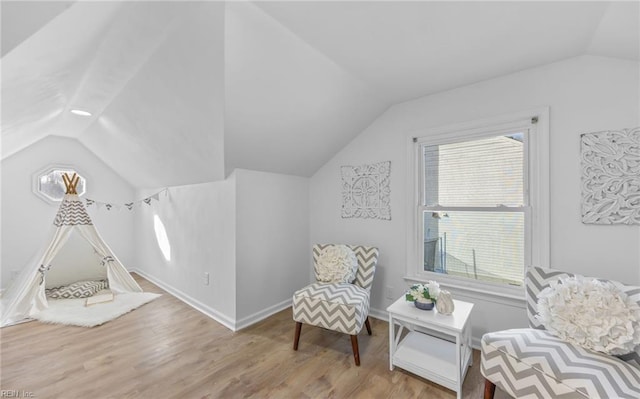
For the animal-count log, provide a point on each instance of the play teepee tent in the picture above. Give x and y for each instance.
(26, 296)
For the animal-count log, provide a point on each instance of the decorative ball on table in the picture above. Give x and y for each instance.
(423, 296)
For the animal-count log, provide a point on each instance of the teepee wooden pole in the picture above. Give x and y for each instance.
(71, 183)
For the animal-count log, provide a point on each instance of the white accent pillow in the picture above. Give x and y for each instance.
(336, 264)
(592, 313)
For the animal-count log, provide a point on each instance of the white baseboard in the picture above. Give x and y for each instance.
(379, 314)
(231, 323)
(223, 319)
(263, 314)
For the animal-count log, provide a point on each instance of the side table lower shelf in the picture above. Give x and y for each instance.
(430, 357)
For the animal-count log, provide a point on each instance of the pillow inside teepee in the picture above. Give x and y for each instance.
(80, 289)
(592, 313)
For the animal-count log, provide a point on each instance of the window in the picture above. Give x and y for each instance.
(480, 203)
(50, 186)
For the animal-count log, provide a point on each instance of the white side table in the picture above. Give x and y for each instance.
(437, 347)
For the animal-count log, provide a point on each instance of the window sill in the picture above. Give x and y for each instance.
(508, 296)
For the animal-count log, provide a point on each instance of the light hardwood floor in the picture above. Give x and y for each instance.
(165, 349)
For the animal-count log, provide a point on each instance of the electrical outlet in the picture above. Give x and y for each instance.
(389, 292)
(205, 279)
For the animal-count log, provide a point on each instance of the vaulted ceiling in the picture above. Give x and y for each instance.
(184, 92)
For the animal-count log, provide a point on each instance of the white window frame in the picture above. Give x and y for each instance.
(536, 199)
(35, 179)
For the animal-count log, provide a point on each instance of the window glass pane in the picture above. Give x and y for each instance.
(52, 186)
(486, 172)
(486, 246)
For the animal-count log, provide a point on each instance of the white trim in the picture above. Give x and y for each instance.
(194, 303)
(414, 229)
(262, 314)
(501, 208)
(539, 185)
(379, 314)
(473, 127)
(35, 177)
(509, 297)
(230, 323)
(448, 135)
(538, 178)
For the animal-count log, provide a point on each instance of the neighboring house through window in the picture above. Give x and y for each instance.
(481, 203)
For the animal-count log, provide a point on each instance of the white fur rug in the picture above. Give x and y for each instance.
(73, 312)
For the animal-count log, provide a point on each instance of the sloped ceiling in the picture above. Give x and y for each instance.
(33, 15)
(289, 107)
(410, 49)
(151, 75)
(182, 93)
(161, 119)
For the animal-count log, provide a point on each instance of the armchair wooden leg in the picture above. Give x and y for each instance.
(296, 339)
(366, 323)
(356, 351)
(489, 389)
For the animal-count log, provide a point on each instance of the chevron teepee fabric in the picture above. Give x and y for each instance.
(71, 213)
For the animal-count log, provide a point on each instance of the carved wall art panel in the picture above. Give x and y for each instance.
(611, 177)
(366, 191)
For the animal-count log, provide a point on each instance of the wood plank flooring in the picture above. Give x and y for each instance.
(165, 349)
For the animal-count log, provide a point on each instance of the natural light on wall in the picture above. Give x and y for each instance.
(161, 236)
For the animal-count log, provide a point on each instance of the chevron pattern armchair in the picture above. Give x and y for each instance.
(341, 307)
(531, 362)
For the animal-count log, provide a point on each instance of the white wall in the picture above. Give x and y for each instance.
(272, 247)
(200, 223)
(27, 220)
(249, 232)
(585, 94)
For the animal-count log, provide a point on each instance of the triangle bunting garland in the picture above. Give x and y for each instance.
(129, 205)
